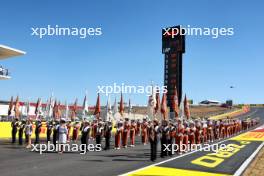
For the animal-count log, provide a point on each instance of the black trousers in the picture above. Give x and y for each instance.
(164, 142)
(170, 142)
(20, 137)
(54, 138)
(37, 138)
(84, 141)
(153, 150)
(48, 135)
(107, 142)
(98, 139)
(14, 132)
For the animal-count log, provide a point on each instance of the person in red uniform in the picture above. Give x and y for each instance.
(125, 133)
(222, 130)
(119, 131)
(144, 132)
(204, 131)
(192, 134)
(198, 132)
(68, 125)
(75, 132)
(216, 130)
(172, 132)
(186, 136)
(94, 129)
(210, 131)
(133, 127)
(138, 128)
(179, 136)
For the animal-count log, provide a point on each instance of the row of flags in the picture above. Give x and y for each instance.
(53, 108)
(154, 105)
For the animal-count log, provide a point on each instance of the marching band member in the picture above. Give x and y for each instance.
(85, 133)
(69, 126)
(37, 130)
(144, 132)
(138, 128)
(217, 130)
(186, 132)
(192, 133)
(210, 133)
(49, 130)
(164, 138)
(55, 132)
(75, 131)
(204, 131)
(132, 134)
(14, 126)
(119, 129)
(107, 134)
(94, 128)
(125, 133)
(62, 134)
(179, 136)
(99, 133)
(198, 132)
(171, 136)
(153, 139)
(28, 132)
(21, 131)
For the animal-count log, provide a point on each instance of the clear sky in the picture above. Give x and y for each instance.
(129, 50)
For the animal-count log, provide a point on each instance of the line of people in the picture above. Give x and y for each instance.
(178, 131)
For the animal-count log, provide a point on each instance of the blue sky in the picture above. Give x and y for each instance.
(129, 50)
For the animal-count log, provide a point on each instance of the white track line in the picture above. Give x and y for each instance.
(247, 162)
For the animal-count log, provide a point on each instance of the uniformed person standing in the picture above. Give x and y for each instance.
(171, 137)
(21, 131)
(49, 130)
(85, 133)
(37, 130)
(14, 126)
(107, 134)
(99, 133)
(153, 139)
(55, 131)
(164, 138)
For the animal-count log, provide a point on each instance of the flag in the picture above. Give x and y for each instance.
(59, 110)
(175, 104)
(51, 106)
(115, 108)
(97, 109)
(163, 108)
(121, 105)
(11, 105)
(157, 106)
(152, 102)
(108, 108)
(66, 110)
(85, 106)
(129, 107)
(17, 106)
(74, 109)
(26, 108)
(54, 110)
(186, 108)
(38, 109)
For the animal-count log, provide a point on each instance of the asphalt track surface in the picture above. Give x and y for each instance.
(18, 161)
